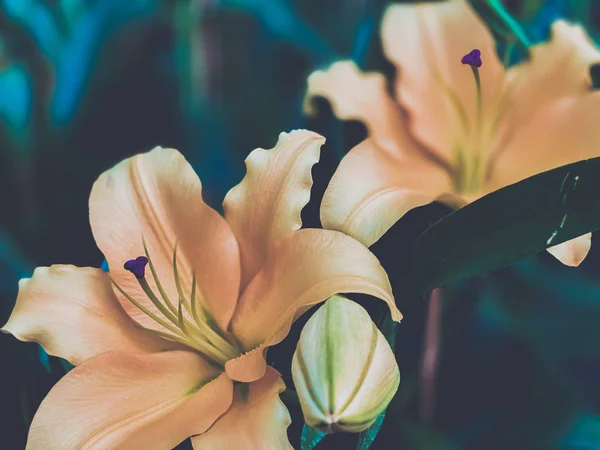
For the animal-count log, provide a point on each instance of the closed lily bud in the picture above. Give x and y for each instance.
(344, 370)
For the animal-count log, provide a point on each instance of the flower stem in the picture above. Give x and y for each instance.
(430, 359)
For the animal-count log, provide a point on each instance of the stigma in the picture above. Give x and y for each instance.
(137, 266)
(473, 58)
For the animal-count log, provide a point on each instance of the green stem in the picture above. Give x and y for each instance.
(431, 356)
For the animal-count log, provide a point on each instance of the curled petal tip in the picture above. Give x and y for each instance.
(137, 266)
(472, 58)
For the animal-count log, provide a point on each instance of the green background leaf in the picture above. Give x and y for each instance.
(505, 226)
(366, 438)
(310, 437)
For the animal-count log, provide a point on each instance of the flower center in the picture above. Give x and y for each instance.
(188, 323)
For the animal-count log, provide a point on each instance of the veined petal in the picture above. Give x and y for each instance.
(257, 420)
(267, 203)
(125, 401)
(426, 41)
(73, 313)
(556, 69)
(573, 252)
(302, 269)
(553, 112)
(373, 188)
(357, 95)
(562, 132)
(158, 195)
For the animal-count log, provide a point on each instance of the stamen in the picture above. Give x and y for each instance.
(178, 282)
(145, 310)
(155, 301)
(473, 59)
(199, 335)
(137, 266)
(180, 335)
(470, 165)
(193, 299)
(180, 319)
(159, 285)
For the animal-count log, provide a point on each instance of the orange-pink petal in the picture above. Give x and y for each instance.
(364, 96)
(73, 313)
(556, 69)
(426, 42)
(257, 419)
(373, 188)
(573, 252)
(267, 203)
(554, 114)
(158, 196)
(250, 366)
(562, 132)
(302, 269)
(125, 401)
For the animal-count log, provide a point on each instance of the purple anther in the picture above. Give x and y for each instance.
(473, 58)
(137, 266)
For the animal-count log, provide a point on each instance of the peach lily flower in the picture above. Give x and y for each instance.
(179, 350)
(454, 131)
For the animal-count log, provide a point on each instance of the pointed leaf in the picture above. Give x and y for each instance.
(366, 438)
(310, 437)
(503, 227)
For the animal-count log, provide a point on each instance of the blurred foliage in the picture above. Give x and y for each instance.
(85, 83)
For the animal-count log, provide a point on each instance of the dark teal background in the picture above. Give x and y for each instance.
(86, 83)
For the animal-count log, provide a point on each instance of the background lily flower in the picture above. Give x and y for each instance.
(464, 135)
(344, 370)
(158, 353)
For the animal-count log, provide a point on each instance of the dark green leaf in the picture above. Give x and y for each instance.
(310, 437)
(366, 438)
(510, 224)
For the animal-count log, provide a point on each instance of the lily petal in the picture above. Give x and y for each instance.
(556, 69)
(257, 420)
(248, 367)
(573, 252)
(267, 203)
(373, 188)
(73, 313)
(553, 111)
(357, 95)
(123, 401)
(560, 133)
(158, 195)
(303, 269)
(426, 41)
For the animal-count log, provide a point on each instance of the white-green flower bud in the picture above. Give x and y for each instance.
(344, 370)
